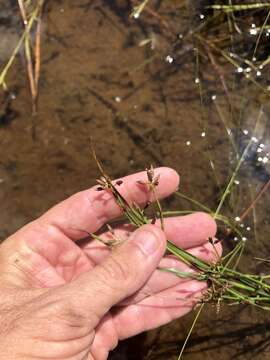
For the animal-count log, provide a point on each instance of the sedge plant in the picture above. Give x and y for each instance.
(226, 284)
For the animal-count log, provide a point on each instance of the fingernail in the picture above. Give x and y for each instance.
(147, 241)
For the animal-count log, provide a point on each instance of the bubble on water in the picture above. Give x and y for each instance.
(12, 96)
(169, 59)
(118, 99)
(239, 69)
(253, 30)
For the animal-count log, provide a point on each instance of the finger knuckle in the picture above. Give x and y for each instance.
(117, 270)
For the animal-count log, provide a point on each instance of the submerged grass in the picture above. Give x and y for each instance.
(31, 13)
(228, 38)
(242, 7)
(6, 68)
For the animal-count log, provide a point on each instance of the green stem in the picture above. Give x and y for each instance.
(190, 331)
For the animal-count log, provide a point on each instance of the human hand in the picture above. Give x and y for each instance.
(63, 298)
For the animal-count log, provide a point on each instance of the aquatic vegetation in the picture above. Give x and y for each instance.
(31, 13)
(137, 10)
(232, 38)
(226, 283)
(242, 7)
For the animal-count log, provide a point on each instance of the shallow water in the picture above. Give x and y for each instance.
(131, 85)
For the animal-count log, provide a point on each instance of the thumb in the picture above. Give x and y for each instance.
(123, 273)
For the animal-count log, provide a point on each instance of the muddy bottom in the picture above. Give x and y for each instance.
(135, 87)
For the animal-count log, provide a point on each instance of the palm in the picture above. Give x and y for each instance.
(57, 257)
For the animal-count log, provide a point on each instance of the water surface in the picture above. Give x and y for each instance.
(140, 89)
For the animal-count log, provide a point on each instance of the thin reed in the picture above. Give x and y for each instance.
(226, 283)
(30, 41)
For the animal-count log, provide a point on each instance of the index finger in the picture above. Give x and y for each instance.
(88, 210)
